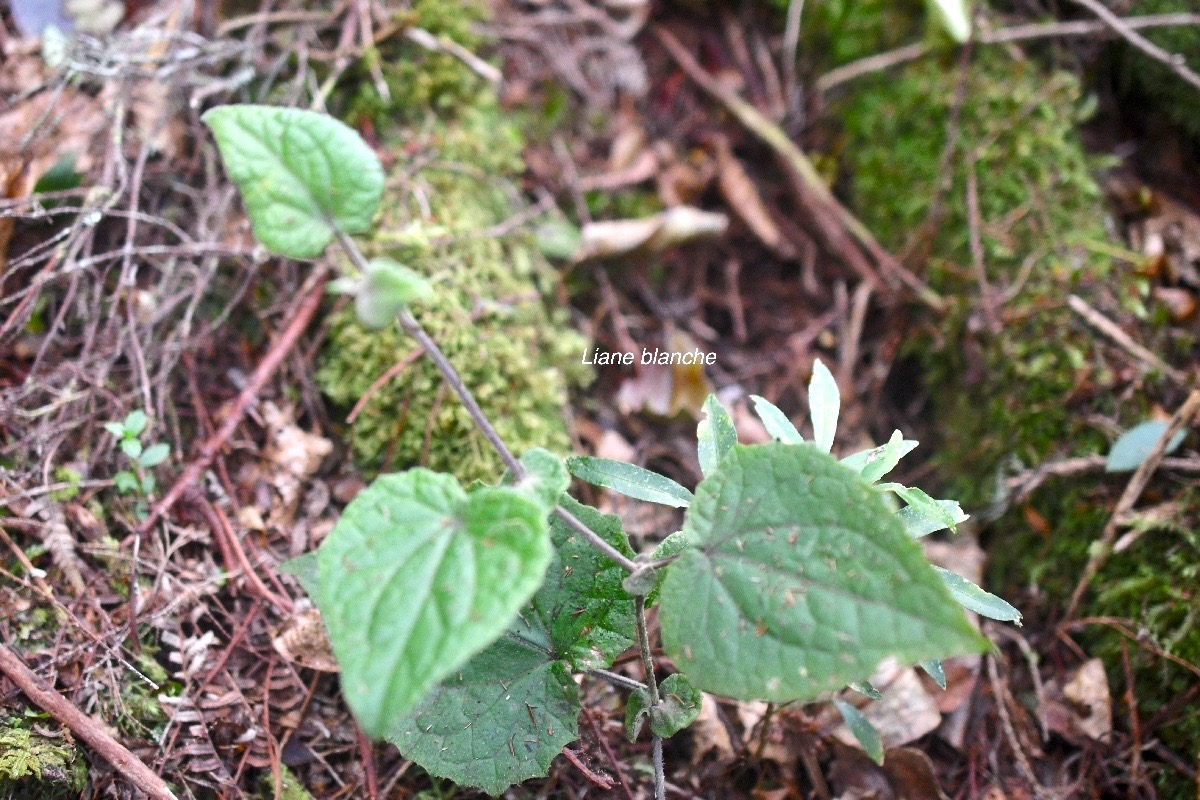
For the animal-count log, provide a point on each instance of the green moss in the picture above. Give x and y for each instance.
(35, 766)
(517, 354)
(1019, 392)
(418, 80)
(1170, 94)
(291, 788)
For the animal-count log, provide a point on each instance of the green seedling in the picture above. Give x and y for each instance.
(460, 614)
(138, 479)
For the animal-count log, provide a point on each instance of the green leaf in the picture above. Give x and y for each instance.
(917, 524)
(715, 434)
(865, 688)
(798, 580)
(976, 599)
(954, 16)
(934, 669)
(938, 511)
(386, 287)
(126, 482)
(303, 175)
(148, 483)
(504, 716)
(824, 403)
(154, 455)
(776, 422)
(557, 239)
(678, 707)
(306, 570)
(546, 477)
(117, 429)
(417, 577)
(1135, 444)
(873, 464)
(588, 614)
(629, 480)
(862, 729)
(637, 708)
(135, 423)
(131, 447)
(500, 720)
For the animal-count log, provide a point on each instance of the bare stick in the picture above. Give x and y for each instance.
(282, 345)
(1174, 61)
(1120, 337)
(1016, 33)
(1183, 416)
(83, 726)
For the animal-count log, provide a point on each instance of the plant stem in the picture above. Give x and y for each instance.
(643, 636)
(414, 329)
(617, 679)
(451, 376)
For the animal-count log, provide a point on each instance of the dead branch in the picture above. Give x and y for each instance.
(83, 726)
(303, 314)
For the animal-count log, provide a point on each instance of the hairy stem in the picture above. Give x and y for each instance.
(643, 636)
(414, 329)
(617, 679)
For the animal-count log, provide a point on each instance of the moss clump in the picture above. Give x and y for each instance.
(517, 355)
(1170, 94)
(1018, 392)
(1031, 390)
(35, 766)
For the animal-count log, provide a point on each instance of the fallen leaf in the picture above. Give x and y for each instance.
(906, 713)
(654, 234)
(1090, 699)
(710, 739)
(744, 199)
(302, 640)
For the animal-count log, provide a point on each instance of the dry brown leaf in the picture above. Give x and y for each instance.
(910, 774)
(742, 196)
(1090, 699)
(709, 736)
(906, 713)
(654, 234)
(302, 640)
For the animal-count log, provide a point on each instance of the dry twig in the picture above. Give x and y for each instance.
(1174, 61)
(1183, 416)
(83, 726)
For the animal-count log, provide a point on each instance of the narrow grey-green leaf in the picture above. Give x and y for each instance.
(865, 687)
(955, 17)
(824, 404)
(926, 506)
(1134, 445)
(873, 464)
(135, 422)
(305, 569)
(799, 579)
(776, 422)
(862, 729)
(417, 577)
(715, 435)
(678, 707)
(629, 480)
(581, 603)
(499, 720)
(933, 668)
(973, 598)
(303, 176)
(917, 524)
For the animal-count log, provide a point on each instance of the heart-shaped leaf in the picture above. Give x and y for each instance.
(304, 176)
(797, 580)
(417, 577)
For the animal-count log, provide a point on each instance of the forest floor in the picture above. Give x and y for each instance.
(146, 594)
